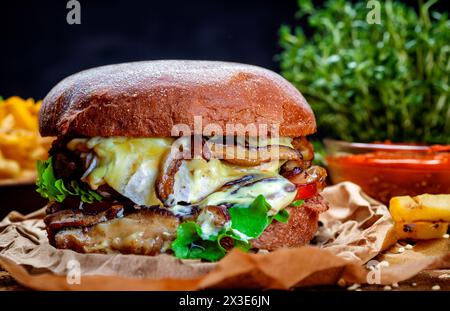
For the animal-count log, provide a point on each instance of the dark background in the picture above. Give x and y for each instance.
(39, 48)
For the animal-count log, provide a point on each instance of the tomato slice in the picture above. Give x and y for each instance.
(306, 191)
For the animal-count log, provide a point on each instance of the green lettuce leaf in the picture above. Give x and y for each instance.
(297, 203)
(282, 216)
(247, 222)
(238, 242)
(56, 189)
(189, 244)
(251, 220)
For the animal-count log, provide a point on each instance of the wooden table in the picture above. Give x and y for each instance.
(25, 200)
(8, 283)
(424, 281)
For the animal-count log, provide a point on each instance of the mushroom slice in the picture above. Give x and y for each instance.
(166, 176)
(314, 174)
(249, 156)
(304, 147)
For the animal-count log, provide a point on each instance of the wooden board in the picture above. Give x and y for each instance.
(424, 281)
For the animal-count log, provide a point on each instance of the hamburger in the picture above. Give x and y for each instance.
(190, 158)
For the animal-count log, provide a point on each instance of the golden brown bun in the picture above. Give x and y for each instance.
(145, 99)
(298, 231)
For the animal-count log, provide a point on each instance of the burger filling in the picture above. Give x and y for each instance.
(152, 195)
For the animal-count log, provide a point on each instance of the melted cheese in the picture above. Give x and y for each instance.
(197, 178)
(131, 165)
(277, 190)
(208, 227)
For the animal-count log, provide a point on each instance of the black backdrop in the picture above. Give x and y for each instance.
(38, 47)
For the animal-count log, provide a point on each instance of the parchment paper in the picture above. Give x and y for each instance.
(356, 230)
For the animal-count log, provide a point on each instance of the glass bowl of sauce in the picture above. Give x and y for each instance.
(385, 170)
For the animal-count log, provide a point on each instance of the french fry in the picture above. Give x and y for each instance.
(20, 142)
(422, 217)
(8, 168)
(421, 230)
(23, 117)
(425, 207)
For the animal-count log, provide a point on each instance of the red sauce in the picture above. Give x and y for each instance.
(384, 174)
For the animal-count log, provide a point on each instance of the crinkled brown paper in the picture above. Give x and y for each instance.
(356, 229)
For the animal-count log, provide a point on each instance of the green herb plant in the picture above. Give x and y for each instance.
(373, 82)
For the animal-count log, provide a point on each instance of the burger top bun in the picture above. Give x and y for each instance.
(145, 99)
